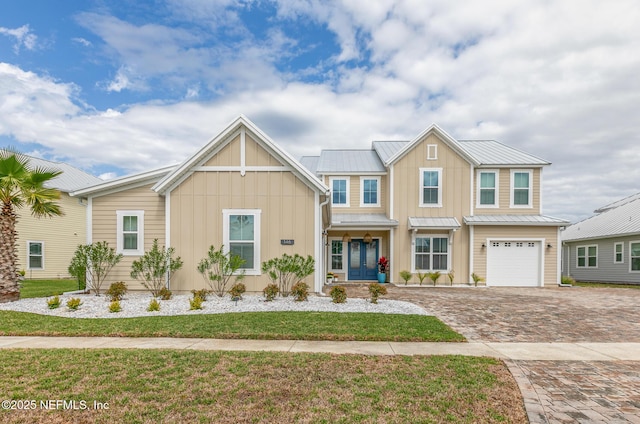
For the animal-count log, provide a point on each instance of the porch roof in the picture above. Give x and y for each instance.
(428, 223)
(362, 220)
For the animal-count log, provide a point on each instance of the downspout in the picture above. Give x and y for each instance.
(325, 240)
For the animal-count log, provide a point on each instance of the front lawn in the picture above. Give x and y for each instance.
(246, 325)
(150, 386)
(607, 285)
(46, 288)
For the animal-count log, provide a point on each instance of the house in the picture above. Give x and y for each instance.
(606, 246)
(46, 245)
(432, 203)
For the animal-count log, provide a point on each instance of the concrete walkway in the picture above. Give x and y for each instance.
(512, 351)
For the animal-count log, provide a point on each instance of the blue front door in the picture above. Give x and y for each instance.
(363, 260)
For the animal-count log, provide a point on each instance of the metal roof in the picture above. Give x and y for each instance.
(618, 203)
(439, 223)
(126, 181)
(622, 220)
(350, 161)
(362, 220)
(541, 220)
(491, 152)
(386, 149)
(311, 163)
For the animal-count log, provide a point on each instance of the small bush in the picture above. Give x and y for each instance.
(54, 302)
(300, 291)
(422, 276)
(568, 280)
(73, 304)
(270, 292)
(433, 276)
(165, 294)
(376, 290)
(195, 303)
(451, 275)
(202, 294)
(114, 306)
(406, 276)
(237, 291)
(338, 294)
(476, 278)
(154, 305)
(116, 291)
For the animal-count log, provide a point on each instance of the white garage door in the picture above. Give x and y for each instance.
(513, 263)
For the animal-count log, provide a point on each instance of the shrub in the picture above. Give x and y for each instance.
(422, 276)
(195, 303)
(73, 304)
(476, 278)
(450, 276)
(300, 291)
(54, 302)
(96, 260)
(270, 292)
(202, 294)
(237, 291)
(154, 267)
(376, 290)
(287, 269)
(568, 280)
(218, 267)
(154, 305)
(338, 294)
(116, 291)
(406, 276)
(165, 294)
(114, 306)
(433, 276)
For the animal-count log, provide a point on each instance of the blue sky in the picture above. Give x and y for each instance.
(116, 87)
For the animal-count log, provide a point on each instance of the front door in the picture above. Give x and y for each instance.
(363, 260)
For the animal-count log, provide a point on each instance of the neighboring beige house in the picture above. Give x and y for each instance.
(433, 203)
(46, 245)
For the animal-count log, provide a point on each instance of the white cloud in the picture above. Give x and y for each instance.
(24, 37)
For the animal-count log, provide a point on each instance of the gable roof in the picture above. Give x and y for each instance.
(349, 161)
(619, 221)
(618, 203)
(125, 182)
(386, 149)
(494, 153)
(311, 163)
(185, 168)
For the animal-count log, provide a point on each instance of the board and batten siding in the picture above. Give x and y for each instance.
(60, 236)
(105, 221)
(607, 270)
(504, 193)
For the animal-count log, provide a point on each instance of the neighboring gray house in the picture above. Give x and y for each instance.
(605, 247)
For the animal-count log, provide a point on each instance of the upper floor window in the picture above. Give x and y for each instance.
(521, 189)
(430, 187)
(35, 251)
(339, 192)
(587, 256)
(487, 189)
(130, 232)
(618, 253)
(370, 188)
(241, 236)
(634, 255)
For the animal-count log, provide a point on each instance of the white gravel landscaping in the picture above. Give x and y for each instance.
(135, 305)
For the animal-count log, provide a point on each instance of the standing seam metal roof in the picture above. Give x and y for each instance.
(623, 220)
(349, 161)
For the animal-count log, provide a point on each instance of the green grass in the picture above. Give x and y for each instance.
(150, 386)
(607, 285)
(46, 288)
(248, 325)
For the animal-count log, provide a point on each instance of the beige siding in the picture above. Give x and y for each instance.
(504, 195)
(355, 194)
(104, 225)
(60, 236)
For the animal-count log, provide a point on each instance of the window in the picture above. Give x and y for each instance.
(431, 253)
(634, 255)
(587, 256)
(432, 151)
(431, 187)
(370, 188)
(339, 192)
(521, 189)
(36, 255)
(618, 253)
(336, 255)
(130, 228)
(241, 233)
(487, 189)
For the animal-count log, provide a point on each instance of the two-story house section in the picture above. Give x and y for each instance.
(438, 204)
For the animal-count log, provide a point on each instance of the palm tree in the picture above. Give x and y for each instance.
(20, 186)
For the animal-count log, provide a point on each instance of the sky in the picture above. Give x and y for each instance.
(123, 86)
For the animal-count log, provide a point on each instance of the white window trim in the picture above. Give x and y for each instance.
(630, 258)
(496, 172)
(529, 204)
(348, 183)
(432, 152)
(370, 205)
(344, 256)
(29, 243)
(120, 233)
(586, 256)
(414, 236)
(257, 213)
(420, 184)
(615, 245)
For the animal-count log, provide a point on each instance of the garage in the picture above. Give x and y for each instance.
(515, 263)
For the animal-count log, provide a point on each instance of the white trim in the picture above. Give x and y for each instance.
(432, 148)
(124, 183)
(378, 191)
(558, 257)
(347, 180)
(257, 213)
(89, 238)
(421, 185)
(471, 253)
(345, 258)
(317, 247)
(241, 169)
(120, 214)
(29, 243)
(586, 256)
(471, 190)
(621, 261)
(630, 258)
(243, 152)
(529, 204)
(496, 188)
(392, 192)
(167, 219)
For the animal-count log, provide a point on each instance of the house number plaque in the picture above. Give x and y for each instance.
(286, 242)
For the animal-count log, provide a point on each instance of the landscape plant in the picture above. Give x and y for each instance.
(165, 293)
(74, 303)
(202, 294)
(476, 278)
(237, 290)
(195, 302)
(54, 302)
(338, 294)
(433, 276)
(114, 306)
(154, 305)
(96, 259)
(422, 276)
(287, 269)
(270, 292)
(376, 290)
(300, 291)
(116, 291)
(218, 267)
(155, 268)
(406, 276)
(450, 275)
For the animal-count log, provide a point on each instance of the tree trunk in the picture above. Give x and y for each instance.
(9, 288)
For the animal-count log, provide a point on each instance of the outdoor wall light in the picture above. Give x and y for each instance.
(549, 246)
(483, 245)
(346, 238)
(367, 238)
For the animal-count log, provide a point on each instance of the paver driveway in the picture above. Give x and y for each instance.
(553, 391)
